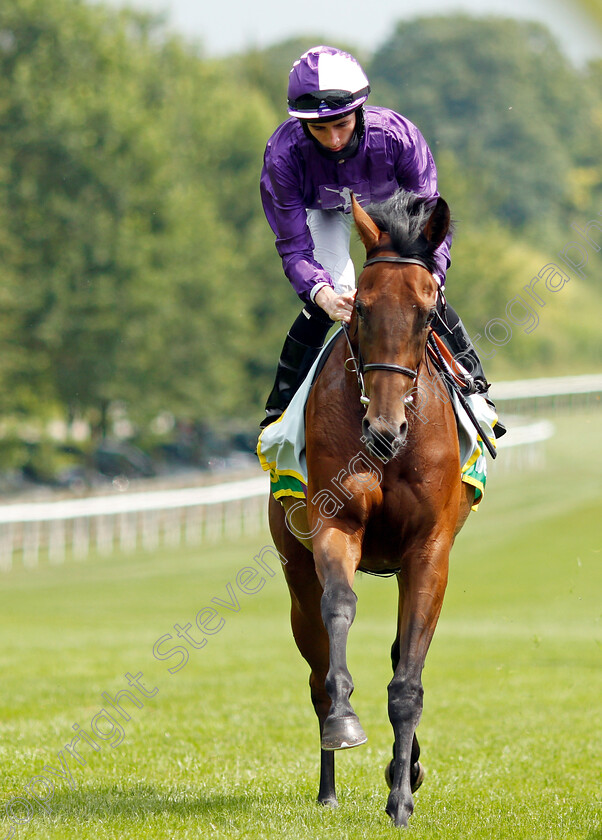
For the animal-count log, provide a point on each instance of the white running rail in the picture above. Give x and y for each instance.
(73, 528)
(129, 521)
(76, 527)
(549, 389)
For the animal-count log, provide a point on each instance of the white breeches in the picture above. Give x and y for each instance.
(331, 232)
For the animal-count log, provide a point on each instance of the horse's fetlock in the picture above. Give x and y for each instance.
(339, 685)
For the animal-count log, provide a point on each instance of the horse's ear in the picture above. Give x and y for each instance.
(438, 224)
(368, 231)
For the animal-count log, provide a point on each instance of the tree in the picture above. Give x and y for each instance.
(129, 204)
(499, 95)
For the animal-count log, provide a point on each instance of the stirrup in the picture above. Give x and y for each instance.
(475, 385)
(470, 386)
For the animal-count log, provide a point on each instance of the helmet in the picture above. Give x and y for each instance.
(324, 83)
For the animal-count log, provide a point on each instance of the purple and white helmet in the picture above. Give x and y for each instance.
(324, 83)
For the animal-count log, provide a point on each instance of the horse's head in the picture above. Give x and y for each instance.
(396, 300)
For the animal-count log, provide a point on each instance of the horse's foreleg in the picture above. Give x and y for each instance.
(327, 790)
(312, 642)
(421, 597)
(337, 556)
(308, 630)
(416, 769)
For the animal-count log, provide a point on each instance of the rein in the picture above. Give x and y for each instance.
(435, 345)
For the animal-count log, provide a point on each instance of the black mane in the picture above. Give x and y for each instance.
(403, 217)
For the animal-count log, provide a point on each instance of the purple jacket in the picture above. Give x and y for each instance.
(295, 176)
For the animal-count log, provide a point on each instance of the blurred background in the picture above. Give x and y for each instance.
(143, 305)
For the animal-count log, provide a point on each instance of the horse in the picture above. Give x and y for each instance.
(384, 493)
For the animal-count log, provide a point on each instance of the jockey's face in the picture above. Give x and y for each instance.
(335, 134)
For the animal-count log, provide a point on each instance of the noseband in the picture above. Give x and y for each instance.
(360, 367)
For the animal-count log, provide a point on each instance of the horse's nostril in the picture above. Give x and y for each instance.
(403, 430)
(365, 426)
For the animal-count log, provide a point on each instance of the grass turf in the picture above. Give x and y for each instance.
(227, 746)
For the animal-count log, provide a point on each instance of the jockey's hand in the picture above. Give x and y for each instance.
(337, 307)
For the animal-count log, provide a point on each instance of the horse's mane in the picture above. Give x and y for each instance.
(403, 217)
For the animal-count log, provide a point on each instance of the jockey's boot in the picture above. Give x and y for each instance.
(301, 348)
(461, 347)
(295, 361)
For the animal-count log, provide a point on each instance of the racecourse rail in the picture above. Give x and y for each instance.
(73, 528)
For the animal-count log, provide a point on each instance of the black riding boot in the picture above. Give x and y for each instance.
(300, 350)
(451, 330)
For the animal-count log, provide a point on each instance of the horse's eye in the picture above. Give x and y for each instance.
(360, 309)
(430, 317)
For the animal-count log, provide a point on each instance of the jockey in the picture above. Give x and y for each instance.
(332, 145)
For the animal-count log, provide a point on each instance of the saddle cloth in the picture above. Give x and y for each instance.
(281, 445)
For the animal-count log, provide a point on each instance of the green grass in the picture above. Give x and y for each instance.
(228, 746)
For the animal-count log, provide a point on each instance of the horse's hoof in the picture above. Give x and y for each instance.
(400, 810)
(342, 733)
(389, 774)
(417, 774)
(328, 801)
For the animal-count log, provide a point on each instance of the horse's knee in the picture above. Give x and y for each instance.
(338, 602)
(338, 611)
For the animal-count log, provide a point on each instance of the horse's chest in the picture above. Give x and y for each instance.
(395, 527)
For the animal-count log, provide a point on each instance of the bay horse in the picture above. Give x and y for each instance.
(384, 493)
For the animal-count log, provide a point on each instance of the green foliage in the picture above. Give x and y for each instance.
(516, 132)
(594, 10)
(83, 165)
(499, 95)
(130, 189)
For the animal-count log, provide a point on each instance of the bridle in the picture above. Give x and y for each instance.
(434, 345)
(357, 362)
